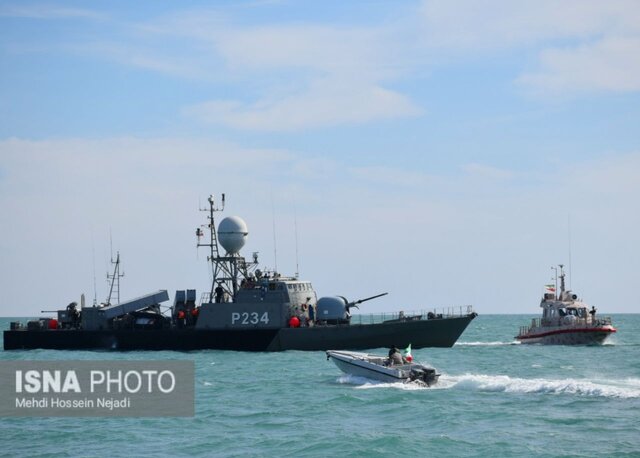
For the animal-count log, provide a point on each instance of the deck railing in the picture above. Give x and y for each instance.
(372, 318)
(432, 314)
(559, 321)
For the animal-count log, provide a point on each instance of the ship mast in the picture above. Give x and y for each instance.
(213, 240)
(115, 280)
(561, 280)
(228, 270)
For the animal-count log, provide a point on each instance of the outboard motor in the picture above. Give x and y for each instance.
(424, 374)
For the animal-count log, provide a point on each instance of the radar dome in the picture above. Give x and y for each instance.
(232, 234)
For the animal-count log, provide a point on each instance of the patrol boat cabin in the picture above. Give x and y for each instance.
(566, 320)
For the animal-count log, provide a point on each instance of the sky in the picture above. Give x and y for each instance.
(446, 152)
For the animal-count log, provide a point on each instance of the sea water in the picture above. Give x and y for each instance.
(495, 398)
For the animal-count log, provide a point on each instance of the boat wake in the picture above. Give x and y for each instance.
(625, 389)
(485, 344)
(365, 383)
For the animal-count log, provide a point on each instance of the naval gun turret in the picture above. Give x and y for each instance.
(336, 309)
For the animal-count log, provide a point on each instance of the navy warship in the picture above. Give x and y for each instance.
(245, 309)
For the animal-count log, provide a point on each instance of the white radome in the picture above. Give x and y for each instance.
(232, 234)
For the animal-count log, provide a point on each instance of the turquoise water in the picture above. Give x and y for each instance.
(495, 398)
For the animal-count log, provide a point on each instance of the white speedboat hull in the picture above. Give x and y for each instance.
(373, 367)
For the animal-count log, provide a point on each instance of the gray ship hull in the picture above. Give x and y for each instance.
(440, 332)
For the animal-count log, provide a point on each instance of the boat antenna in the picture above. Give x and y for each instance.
(569, 228)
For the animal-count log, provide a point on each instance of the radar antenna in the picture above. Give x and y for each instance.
(229, 270)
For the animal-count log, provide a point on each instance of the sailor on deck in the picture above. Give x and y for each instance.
(219, 293)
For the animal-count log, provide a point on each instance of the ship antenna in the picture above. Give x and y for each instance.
(273, 217)
(115, 279)
(295, 228)
(214, 256)
(93, 255)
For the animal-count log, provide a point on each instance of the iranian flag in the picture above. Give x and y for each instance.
(407, 353)
(551, 288)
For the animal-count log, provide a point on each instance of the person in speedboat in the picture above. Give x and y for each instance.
(395, 357)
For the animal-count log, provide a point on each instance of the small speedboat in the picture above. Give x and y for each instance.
(378, 368)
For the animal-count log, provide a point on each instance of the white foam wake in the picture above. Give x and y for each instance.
(632, 381)
(365, 383)
(623, 388)
(627, 388)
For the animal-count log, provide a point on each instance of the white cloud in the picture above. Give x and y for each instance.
(133, 55)
(612, 64)
(315, 75)
(503, 24)
(332, 50)
(488, 172)
(393, 177)
(307, 75)
(325, 103)
(296, 76)
(583, 45)
(325, 76)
